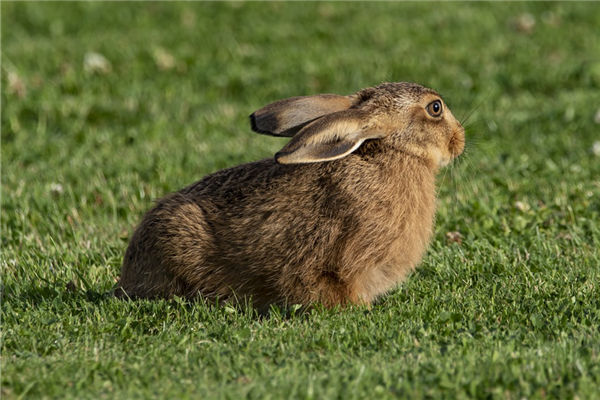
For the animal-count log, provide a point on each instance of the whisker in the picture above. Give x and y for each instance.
(465, 119)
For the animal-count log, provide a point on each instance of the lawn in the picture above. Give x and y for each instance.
(107, 107)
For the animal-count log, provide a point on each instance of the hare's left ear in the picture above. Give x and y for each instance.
(328, 138)
(286, 117)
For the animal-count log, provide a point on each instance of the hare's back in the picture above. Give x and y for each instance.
(264, 213)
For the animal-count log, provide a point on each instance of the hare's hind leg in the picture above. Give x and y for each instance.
(144, 276)
(166, 251)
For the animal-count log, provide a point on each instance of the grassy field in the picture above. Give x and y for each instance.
(107, 107)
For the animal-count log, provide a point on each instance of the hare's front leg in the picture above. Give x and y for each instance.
(330, 290)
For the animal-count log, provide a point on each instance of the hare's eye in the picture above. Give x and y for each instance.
(434, 108)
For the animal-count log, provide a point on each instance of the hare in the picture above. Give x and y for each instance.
(340, 215)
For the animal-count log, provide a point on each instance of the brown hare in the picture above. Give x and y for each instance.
(340, 216)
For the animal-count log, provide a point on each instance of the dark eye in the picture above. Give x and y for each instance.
(434, 108)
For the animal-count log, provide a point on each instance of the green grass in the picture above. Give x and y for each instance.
(513, 311)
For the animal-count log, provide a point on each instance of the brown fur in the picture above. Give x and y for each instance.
(300, 231)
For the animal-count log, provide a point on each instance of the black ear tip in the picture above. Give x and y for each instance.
(279, 155)
(264, 124)
(253, 122)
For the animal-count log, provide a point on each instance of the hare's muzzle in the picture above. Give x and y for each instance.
(457, 142)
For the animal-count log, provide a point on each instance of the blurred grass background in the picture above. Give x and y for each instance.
(107, 107)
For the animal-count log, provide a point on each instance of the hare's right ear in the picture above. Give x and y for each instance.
(329, 138)
(286, 117)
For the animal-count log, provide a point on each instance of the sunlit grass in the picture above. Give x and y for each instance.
(107, 107)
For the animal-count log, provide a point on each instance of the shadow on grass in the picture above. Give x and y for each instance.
(68, 293)
(36, 295)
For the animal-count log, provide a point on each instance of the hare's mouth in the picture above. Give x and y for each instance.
(456, 144)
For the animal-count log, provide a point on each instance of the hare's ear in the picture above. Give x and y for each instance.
(328, 138)
(286, 117)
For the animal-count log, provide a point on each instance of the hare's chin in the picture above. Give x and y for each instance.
(444, 162)
(440, 159)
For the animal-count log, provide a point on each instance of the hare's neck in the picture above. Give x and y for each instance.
(415, 183)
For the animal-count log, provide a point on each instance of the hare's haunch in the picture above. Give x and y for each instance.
(341, 214)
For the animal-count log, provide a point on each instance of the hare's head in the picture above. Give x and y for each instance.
(405, 116)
